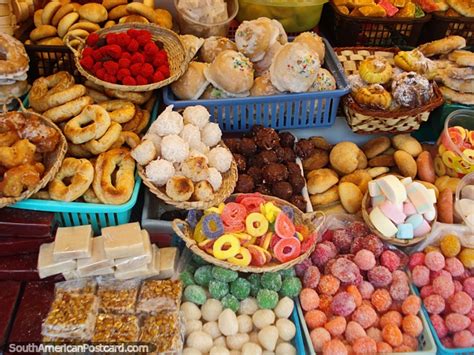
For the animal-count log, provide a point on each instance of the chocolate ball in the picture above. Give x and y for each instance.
(274, 172)
(233, 144)
(287, 139)
(244, 184)
(247, 147)
(267, 157)
(285, 154)
(267, 138)
(297, 182)
(241, 162)
(299, 201)
(255, 173)
(282, 190)
(255, 129)
(304, 148)
(264, 189)
(293, 168)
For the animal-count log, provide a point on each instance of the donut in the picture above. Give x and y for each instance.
(126, 137)
(97, 146)
(116, 159)
(21, 152)
(375, 70)
(46, 87)
(91, 123)
(120, 111)
(49, 11)
(79, 171)
(20, 178)
(68, 110)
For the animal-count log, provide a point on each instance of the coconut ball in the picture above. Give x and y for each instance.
(211, 134)
(196, 115)
(220, 158)
(159, 171)
(169, 122)
(174, 148)
(214, 178)
(192, 135)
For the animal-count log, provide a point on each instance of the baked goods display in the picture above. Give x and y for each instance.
(58, 20)
(384, 8)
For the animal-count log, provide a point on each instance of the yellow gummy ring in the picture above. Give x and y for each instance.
(220, 253)
(198, 234)
(469, 155)
(461, 166)
(266, 240)
(270, 211)
(256, 224)
(440, 168)
(242, 258)
(441, 149)
(449, 158)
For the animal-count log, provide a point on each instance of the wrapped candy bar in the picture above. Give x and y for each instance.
(159, 295)
(118, 296)
(97, 261)
(115, 328)
(162, 330)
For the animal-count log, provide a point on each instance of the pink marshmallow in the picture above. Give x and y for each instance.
(408, 208)
(422, 229)
(393, 212)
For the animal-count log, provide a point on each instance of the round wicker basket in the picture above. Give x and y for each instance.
(171, 42)
(229, 179)
(313, 221)
(52, 161)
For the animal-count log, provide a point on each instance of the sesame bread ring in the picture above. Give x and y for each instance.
(91, 123)
(90, 196)
(126, 137)
(49, 11)
(138, 98)
(37, 18)
(107, 163)
(91, 85)
(81, 174)
(47, 86)
(68, 110)
(110, 4)
(142, 10)
(138, 123)
(97, 96)
(61, 97)
(93, 12)
(86, 26)
(66, 22)
(118, 12)
(63, 11)
(78, 151)
(120, 111)
(97, 146)
(43, 31)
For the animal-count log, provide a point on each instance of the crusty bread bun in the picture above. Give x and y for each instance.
(321, 180)
(93, 12)
(110, 4)
(43, 31)
(49, 11)
(66, 23)
(345, 157)
(192, 84)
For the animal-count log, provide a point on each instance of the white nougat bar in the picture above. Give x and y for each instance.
(48, 267)
(73, 243)
(136, 262)
(168, 262)
(97, 261)
(148, 270)
(123, 241)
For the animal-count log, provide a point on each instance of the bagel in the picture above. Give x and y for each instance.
(110, 4)
(118, 12)
(142, 10)
(105, 166)
(63, 11)
(97, 96)
(90, 196)
(91, 123)
(43, 31)
(133, 19)
(85, 25)
(93, 12)
(48, 86)
(81, 174)
(126, 137)
(120, 111)
(66, 22)
(97, 146)
(138, 98)
(68, 110)
(49, 11)
(37, 18)
(59, 98)
(139, 122)
(78, 151)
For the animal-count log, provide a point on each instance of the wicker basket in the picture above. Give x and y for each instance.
(363, 120)
(310, 220)
(229, 179)
(172, 44)
(52, 161)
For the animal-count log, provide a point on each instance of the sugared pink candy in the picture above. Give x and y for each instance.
(454, 266)
(426, 291)
(439, 325)
(443, 286)
(365, 316)
(460, 302)
(343, 304)
(300, 268)
(416, 259)
(366, 289)
(463, 339)
(390, 260)
(374, 244)
(346, 271)
(447, 342)
(456, 322)
(365, 259)
(359, 229)
(342, 239)
(323, 252)
(399, 290)
(311, 277)
(457, 285)
(380, 276)
(468, 286)
(434, 304)
(309, 299)
(434, 260)
(357, 244)
(421, 275)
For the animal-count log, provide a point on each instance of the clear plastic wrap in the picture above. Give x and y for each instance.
(163, 330)
(136, 262)
(116, 328)
(118, 296)
(159, 295)
(97, 261)
(76, 286)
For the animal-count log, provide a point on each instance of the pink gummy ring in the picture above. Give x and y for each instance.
(287, 249)
(233, 216)
(252, 203)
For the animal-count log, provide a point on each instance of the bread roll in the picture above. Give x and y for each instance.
(321, 180)
(345, 157)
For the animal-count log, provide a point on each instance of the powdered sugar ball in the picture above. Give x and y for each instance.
(460, 303)
(434, 260)
(468, 285)
(196, 115)
(192, 135)
(366, 289)
(220, 158)
(169, 122)
(215, 179)
(454, 266)
(365, 259)
(434, 304)
(443, 285)
(211, 134)
(439, 325)
(174, 148)
(421, 275)
(159, 171)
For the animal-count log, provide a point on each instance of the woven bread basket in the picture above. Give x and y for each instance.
(310, 220)
(171, 42)
(52, 161)
(229, 179)
(368, 121)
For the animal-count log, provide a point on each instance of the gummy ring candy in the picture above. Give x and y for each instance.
(240, 197)
(469, 155)
(440, 168)
(290, 212)
(198, 234)
(233, 216)
(250, 242)
(252, 204)
(242, 258)
(441, 149)
(217, 209)
(450, 172)
(243, 237)
(284, 227)
(287, 249)
(270, 211)
(256, 224)
(461, 166)
(265, 240)
(225, 240)
(192, 218)
(212, 226)
(207, 245)
(449, 158)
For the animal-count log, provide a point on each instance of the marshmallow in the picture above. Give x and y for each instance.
(432, 195)
(420, 197)
(468, 192)
(415, 220)
(392, 211)
(466, 206)
(392, 188)
(406, 181)
(405, 231)
(470, 219)
(422, 229)
(430, 215)
(408, 208)
(382, 223)
(374, 189)
(377, 200)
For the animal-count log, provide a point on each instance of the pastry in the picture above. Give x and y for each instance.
(314, 42)
(408, 144)
(324, 81)
(378, 171)
(191, 85)
(456, 96)
(192, 44)
(464, 7)
(262, 86)
(382, 160)
(179, 188)
(321, 143)
(253, 38)
(414, 61)
(411, 90)
(212, 46)
(317, 160)
(92, 12)
(294, 68)
(442, 46)
(405, 163)
(264, 64)
(374, 97)
(375, 70)
(321, 180)
(376, 146)
(463, 86)
(345, 157)
(360, 177)
(325, 198)
(351, 196)
(231, 72)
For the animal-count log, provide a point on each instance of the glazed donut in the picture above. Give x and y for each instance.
(78, 151)
(63, 11)
(110, 4)
(106, 164)
(91, 123)
(138, 98)
(142, 10)
(97, 146)
(49, 11)
(120, 111)
(126, 137)
(43, 31)
(19, 178)
(139, 122)
(375, 70)
(81, 174)
(90, 196)
(21, 152)
(47, 86)
(85, 25)
(68, 110)
(8, 138)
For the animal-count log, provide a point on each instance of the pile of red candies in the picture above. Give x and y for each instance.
(127, 58)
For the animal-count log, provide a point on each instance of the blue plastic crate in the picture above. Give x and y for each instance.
(284, 111)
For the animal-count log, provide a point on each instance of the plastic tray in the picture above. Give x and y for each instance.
(284, 111)
(426, 342)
